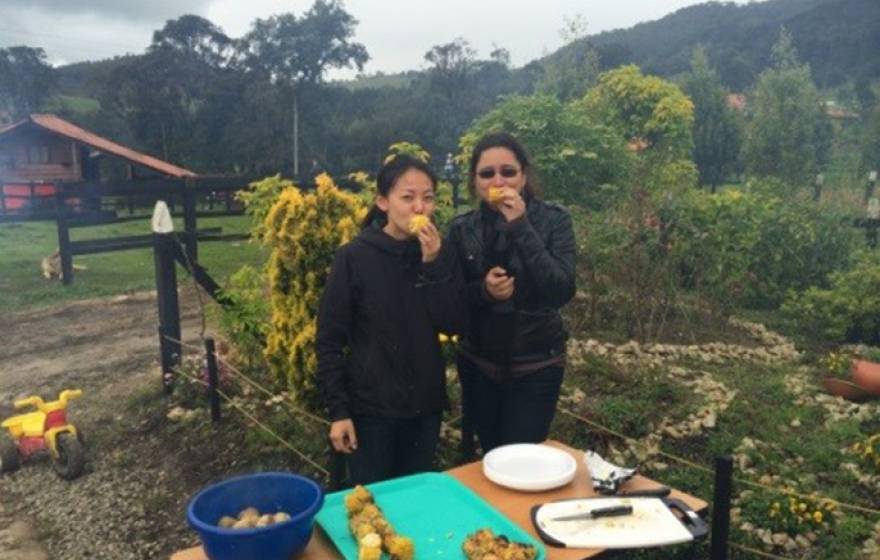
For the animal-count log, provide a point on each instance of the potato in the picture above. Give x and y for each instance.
(250, 512)
(281, 517)
(246, 523)
(226, 522)
(265, 520)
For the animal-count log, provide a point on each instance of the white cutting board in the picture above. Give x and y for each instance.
(651, 523)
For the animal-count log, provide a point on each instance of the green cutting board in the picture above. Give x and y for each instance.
(435, 510)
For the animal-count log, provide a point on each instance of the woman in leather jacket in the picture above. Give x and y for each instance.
(517, 255)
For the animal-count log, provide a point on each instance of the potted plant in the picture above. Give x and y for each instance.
(840, 366)
(866, 374)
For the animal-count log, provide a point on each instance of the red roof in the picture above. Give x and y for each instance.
(737, 101)
(69, 130)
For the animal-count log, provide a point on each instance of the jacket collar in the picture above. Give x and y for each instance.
(374, 235)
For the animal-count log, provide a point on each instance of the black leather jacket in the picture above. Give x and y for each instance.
(538, 249)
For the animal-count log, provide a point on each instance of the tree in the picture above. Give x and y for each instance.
(196, 38)
(575, 157)
(655, 118)
(175, 98)
(717, 135)
(572, 70)
(26, 80)
(452, 65)
(294, 53)
(649, 111)
(782, 135)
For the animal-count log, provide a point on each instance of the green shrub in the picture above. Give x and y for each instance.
(847, 311)
(751, 248)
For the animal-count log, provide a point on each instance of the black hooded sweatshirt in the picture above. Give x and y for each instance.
(380, 314)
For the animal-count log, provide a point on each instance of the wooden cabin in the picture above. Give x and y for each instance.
(43, 150)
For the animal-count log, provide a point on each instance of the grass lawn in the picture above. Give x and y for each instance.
(22, 247)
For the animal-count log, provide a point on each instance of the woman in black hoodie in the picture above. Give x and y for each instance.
(390, 292)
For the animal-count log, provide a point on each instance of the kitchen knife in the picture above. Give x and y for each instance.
(613, 511)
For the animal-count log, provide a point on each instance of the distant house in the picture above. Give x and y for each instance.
(737, 101)
(42, 150)
(836, 112)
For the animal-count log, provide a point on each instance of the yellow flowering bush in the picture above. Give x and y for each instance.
(303, 231)
(867, 452)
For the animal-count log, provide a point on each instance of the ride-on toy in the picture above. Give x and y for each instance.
(45, 429)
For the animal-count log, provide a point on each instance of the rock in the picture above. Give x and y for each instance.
(176, 413)
(779, 539)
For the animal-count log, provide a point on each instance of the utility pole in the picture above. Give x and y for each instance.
(295, 134)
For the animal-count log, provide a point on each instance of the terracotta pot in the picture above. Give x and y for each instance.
(866, 375)
(843, 388)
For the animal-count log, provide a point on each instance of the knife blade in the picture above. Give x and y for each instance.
(658, 492)
(612, 511)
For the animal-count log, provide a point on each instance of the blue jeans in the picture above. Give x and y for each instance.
(392, 447)
(517, 410)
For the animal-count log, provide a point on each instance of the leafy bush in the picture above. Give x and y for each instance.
(303, 231)
(849, 310)
(246, 321)
(751, 248)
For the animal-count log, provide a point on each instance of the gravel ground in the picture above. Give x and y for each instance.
(129, 503)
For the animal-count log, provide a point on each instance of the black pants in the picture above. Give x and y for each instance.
(518, 410)
(391, 447)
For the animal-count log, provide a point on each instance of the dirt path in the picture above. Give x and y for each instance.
(109, 348)
(89, 342)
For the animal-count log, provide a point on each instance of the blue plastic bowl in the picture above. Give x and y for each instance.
(269, 492)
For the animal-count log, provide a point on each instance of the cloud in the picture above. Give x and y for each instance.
(139, 10)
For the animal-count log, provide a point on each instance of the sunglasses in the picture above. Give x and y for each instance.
(508, 172)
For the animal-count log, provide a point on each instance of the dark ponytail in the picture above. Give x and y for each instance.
(387, 176)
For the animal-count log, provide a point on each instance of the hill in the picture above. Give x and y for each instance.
(838, 38)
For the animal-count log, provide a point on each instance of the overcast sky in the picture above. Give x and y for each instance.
(396, 33)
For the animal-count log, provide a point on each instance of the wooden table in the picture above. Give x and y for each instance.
(513, 504)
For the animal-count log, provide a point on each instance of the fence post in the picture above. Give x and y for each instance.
(870, 185)
(213, 396)
(63, 236)
(166, 293)
(189, 221)
(721, 508)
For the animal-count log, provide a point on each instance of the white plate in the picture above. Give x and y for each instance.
(529, 466)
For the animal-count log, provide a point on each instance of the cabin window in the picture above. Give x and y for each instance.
(38, 154)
